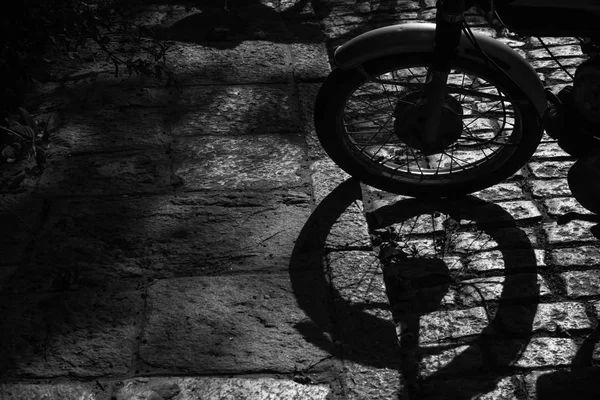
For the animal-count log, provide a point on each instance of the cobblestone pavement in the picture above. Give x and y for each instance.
(199, 244)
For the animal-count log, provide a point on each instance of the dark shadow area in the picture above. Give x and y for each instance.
(376, 15)
(417, 286)
(355, 335)
(241, 20)
(417, 289)
(582, 381)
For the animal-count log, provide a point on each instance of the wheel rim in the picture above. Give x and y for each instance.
(371, 124)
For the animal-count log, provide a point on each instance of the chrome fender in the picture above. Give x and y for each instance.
(419, 38)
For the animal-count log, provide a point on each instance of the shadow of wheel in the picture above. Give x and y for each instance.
(489, 356)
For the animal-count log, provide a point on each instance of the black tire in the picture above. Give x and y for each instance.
(510, 156)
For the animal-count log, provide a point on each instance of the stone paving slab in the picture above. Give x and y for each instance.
(580, 255)
(582, 283)
(249, 91)
(478, 291)
(360, 382)
(550, 169)
(207, 388)
(226, 324)
(114, 130)
(239, 162)
(573, 231)
(307, 95)
(65, 391)
(310, 62)
(234, 110)
(550, 188)
(70, 334)
(124, 241)
(537, 353)
(248, 62)
(483, 387)
(466, 324)
(496, 260)
(147, 171)
(563, 205)
(550, 150)
(20, 216)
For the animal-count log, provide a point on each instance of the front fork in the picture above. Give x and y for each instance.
(449, 21)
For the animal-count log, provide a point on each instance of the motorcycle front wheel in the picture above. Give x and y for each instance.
(369, 122)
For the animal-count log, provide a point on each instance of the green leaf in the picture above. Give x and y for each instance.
(24, 131)
(27, 119)
(19, 131)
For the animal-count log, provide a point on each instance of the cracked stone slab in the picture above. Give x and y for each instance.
(60, 391)
(78, 334)
(233, 110)
(108, 174)
(20, 216)
(240, 162)
(227, 324)
(219, 388)
(125, 241)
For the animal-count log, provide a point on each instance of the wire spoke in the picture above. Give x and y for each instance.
(488, 121)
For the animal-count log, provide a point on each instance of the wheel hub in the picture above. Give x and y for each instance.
(410, 118)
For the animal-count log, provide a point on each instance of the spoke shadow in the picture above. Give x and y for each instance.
(416, 287)
(477, 366)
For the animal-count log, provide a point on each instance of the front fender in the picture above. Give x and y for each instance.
(419, 38)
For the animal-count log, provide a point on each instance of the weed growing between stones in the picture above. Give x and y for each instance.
(37, 33)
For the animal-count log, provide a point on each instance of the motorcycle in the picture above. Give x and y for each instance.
(438, 110)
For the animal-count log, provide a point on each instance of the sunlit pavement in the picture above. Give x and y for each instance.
(199, 244)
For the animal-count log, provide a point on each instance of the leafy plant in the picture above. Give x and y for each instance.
(22, 138)
(36, 33)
